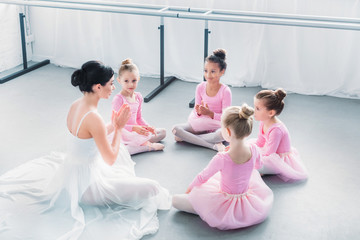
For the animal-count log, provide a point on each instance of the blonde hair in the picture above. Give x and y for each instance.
(128, 65)
(239, 119)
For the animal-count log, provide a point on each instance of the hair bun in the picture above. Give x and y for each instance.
(280, 94)
(246, 111)
(126, 61)
(77, 77)
(220, 53)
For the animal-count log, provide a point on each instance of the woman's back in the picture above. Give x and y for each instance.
(77, 123)
(81, 150)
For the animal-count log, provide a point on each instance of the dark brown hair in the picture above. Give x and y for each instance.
(91, 73)
(273, 100)
(218, 56)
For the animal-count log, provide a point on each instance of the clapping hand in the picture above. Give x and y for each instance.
(197, 106)
(120, 118)
(203, 109)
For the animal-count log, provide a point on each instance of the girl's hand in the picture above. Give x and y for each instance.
(150, 129)
(204, 110)
(120, 118)
(197, 106)
(140, 130)
(188, 191)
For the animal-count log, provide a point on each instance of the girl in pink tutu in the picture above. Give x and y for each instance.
(278, 157)
(211, 97)
(230, 193)
(137, 135)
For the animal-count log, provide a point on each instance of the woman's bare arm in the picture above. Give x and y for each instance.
(98, 131)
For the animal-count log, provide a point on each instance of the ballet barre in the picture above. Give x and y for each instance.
(26, 68)
(197, 13)
(206, 15)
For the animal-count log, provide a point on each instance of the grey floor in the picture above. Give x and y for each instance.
(325, 130)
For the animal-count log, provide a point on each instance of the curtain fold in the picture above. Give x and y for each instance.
(301, 60)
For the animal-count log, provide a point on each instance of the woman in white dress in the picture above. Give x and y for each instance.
(92, 186)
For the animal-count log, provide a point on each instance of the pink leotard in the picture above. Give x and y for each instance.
(278, 156)
(227, 195)
(136, 117)
(234, 177)
(216, 104)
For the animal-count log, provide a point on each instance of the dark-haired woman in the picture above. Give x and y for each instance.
(95, 179)
(211, 98)
(278, 156)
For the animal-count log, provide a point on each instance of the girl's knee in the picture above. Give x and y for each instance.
(185, 127)
(161, 132)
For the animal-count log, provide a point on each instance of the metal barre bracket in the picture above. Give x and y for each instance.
(157, 90)
(163, 83)
(206, 49)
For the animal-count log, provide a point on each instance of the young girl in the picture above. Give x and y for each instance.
(211, 97)
(278, 156)
(229, 193)
(137, 135)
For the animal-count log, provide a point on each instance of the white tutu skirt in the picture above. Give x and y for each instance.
(231, 211)
(56, 197)
(203, 123)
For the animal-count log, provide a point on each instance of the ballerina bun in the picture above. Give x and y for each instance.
(77, 77)
(220, 53)
(280, 94)
(127, 61)
(246, 111)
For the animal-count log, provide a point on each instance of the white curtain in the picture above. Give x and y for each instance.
(10, 45)
(302, 60)
(10, 37)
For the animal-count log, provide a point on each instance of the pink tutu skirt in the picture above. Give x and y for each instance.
(288, 166)
(203, 123)
(231, 211)
(133, 138)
